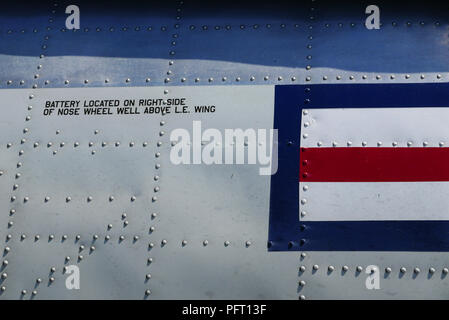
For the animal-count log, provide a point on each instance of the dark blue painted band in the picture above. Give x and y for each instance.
(286, 232)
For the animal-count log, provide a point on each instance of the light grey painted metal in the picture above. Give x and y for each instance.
(227, 203)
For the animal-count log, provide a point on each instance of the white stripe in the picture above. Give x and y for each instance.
(363, 201)
(373, 125)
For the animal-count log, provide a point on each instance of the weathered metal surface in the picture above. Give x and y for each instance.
(194, 51)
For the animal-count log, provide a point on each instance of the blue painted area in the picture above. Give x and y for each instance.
(286, 231)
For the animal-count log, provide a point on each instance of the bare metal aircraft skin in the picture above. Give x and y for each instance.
(193, 151)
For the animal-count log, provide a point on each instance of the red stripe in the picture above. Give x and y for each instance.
(373, 164)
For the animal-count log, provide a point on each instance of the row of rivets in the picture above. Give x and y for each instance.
(379, 77)
(365, 143)
(345, 268)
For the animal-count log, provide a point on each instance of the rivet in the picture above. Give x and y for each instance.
(379, 143)
(153, 215)
(52, 279)
(80, 257)
(111, 198)
(150, 260)
(147, 292)
(315, 267)
(78, 237)
(4, 275)
(432, 270)
(148, 276)
(133, 198)
(89, 199)
(403, 270)
(164, 242)
(136, 238)
(227, 243)
(302, 283)
(409, 143)
(23, 237)
(331, 268)
(364, 77)
(37, 237)
(92, 248)
(125, 222)
(345, 268)
(303, 201)
(302, 268)
(24, 292)
(303, 213)
(394, 144)
(52, 269)
(107, 237)
(445, 270)
(68, 199)
(302, 297)
(425, 143)
(364, 143)
(388, 270)
(416, 270)
(359, 268)
(51, 237)
(64, 237)
(248, 243)
(95, 237)
(5, 263)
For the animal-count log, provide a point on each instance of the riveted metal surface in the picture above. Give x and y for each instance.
(195, 231)
(374, 127)
(324, 284)
(122, 43)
